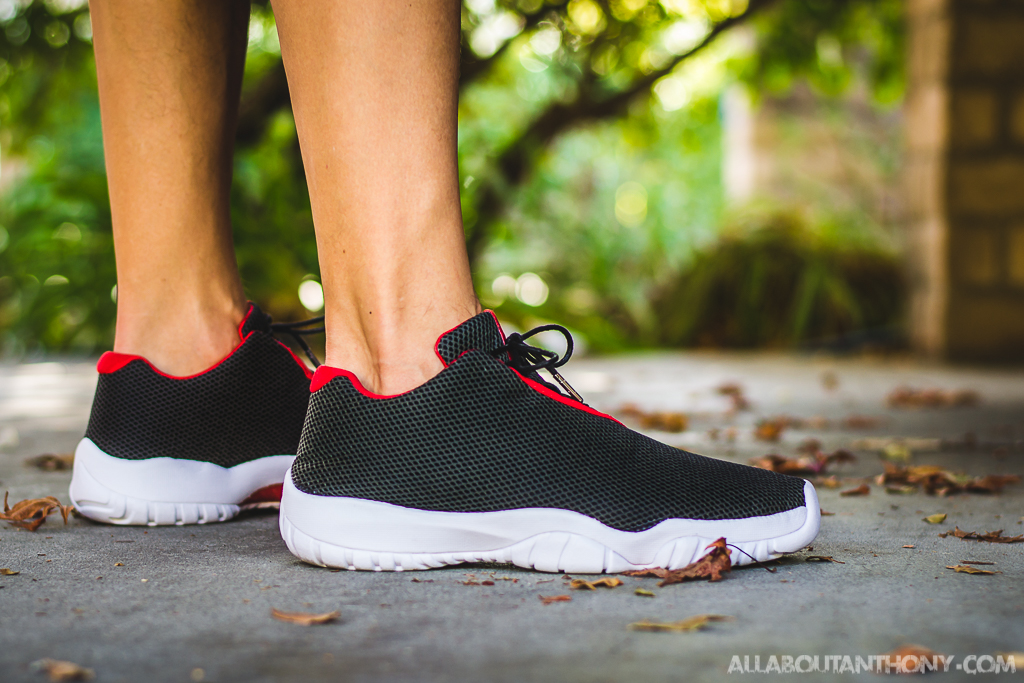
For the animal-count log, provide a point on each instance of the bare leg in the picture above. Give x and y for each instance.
(375, 95)
(170, 74)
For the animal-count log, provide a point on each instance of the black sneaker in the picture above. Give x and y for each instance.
(188, 450)
(487, 462)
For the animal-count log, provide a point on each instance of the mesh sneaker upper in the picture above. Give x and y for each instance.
(250, 405)
(477, 438)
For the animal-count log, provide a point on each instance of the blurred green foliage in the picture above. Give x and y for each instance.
(590, 154)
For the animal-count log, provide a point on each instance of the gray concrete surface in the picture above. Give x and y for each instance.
(199, 598)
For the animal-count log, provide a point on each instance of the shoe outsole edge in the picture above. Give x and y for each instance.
(165, 491)
(571, 551)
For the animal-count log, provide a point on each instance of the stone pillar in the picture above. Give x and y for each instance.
(965, 177)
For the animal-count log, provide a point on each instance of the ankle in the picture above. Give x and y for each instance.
(391, 358)
(179, 338)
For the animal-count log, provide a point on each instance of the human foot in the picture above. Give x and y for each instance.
(184, 450)
(486, 462)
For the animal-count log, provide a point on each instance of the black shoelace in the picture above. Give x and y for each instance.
(299, 329)
(529, 360)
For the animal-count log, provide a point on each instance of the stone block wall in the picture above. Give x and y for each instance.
(965, 177)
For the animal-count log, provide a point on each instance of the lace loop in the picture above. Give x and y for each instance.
(299, 329)
(528, 360)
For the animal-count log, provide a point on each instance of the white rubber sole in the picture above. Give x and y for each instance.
(160, 491)
(355, 534)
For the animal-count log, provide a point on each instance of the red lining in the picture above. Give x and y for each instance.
(112, 361)
(572, 403)
(267, 494)
(325, 374)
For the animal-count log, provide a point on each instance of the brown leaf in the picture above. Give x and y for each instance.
(770, 429)
(4, 571)
(908, 546)
(735, 393)
(711, 566)
(583, 584)
(654, 572)
(548, 599)
(29, 514)
(696, 623)
(51, 462)
(644, 593)
(861, 490)
(861, 422)
(965, 569)
(826, 514)
(59, 670)
(906, 397)
(808, 464)
(937, 518)
(822, 558)
(976, 562)
(990, 537)
(305, 618)
(661, 420)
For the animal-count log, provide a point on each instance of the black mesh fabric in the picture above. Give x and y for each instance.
(251, 405)
(479, 332)
(478, 438)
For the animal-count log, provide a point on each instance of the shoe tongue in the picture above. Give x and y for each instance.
(481, 332)
(255, 319)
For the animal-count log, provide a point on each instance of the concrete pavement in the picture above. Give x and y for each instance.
(193, 603)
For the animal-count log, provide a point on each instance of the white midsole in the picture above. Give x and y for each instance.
(170, 480)
(373, 526)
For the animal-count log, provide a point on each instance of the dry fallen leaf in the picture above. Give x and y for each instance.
(990, 537)
(906, 397)
(908, 546)
(4, 571)
(711, 566)
(305, 618)
(583, 584)
(822, 558)
(51, 462)
(861, 490)
(965, 569)
(692, 624)
(826, 514)
(59, 670)
(644, 593)
(548, 599)
(976, 562)
(861, 422)
(735, 393)
(664, 421)
(653, 572)
(770, 429)
(29, 514)
(938, 481)
(808, 464)
(919, 652)
(937, 518)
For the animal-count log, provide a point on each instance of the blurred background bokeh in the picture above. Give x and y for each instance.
(650, 173)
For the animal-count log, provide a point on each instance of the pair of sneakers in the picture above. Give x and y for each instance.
(486, 462)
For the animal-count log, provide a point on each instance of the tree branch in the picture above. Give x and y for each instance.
(517, 157)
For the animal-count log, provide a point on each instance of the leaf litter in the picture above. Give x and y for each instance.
(51, 462)
(861, 490)
(695, 623)
(549, 599)
(583, 584)
(665, 421)
(711, 567)
(811, 463)
(966, 569)
(908, 397)
(29, 514)
(305, 618)
(938, 481)
(59, 670)
(989, 537)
